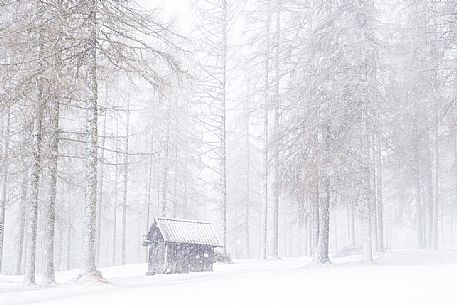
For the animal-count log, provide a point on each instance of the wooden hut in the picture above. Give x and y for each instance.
(180, 246)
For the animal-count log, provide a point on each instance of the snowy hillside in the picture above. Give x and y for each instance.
(402, 277)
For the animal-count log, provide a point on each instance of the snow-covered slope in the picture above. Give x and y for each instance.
(402, 277)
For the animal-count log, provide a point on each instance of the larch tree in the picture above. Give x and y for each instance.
(214, 17)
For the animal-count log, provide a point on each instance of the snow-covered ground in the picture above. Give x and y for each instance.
(398, 278)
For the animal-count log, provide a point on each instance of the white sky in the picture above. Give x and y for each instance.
(180, 10)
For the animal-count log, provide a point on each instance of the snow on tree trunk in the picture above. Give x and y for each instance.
(436, 185)
(454, 205)
(35, 172)
(116, 192)
(69, 231)
(276, 191)
(100, 191)
(379, 197)
(175, 157)
(350, 222)
(5, 165)
(166, 165)
(322, 247)
(420, 221)
(430, 192)
(367, 245)
(223, 123)
(302, 244)
(266, 129)
(367, 214)
(22, 220)
(125, 191)
(247, 207)
(149, 191)
(88, 268)
(315, 223)
(50, 207)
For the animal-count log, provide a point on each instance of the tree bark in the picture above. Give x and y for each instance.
(315, 223)
(175, 161)
(35, 173)
(125, 181)
(165, 168)
(100, 191)
(224, 123)
(149, 191)
(69, 224)
(22, 220)
(379, 195)
(454, 206)
(418, 197)
(436, 184)
(367, 214)
(5, 163)
(50, 208)
(266, 128)
(428, 209)
(89, 268)
(324, 226)
(116, 194)
(247, 206)
(276, 135)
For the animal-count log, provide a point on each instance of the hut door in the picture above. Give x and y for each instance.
(157, 257)
(153, 258)
(160, 257)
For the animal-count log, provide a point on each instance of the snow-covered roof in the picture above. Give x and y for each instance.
(187, 231)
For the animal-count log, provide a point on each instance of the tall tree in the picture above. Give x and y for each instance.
(5, 172)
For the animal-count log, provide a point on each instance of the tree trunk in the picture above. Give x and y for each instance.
(116, 193)
(5, 161)
(266, 127)
(315, 224)
(224, 128)
(310, 237)
(166, 161)
(454, 206)
(100, 190)
(276, 135)
(69, 224)
(50, 208)
(335, 233)
(367, 216)
(89, 234)
(35, 172)
(379, 197)
(350, 221)
(22, 220)
(149, 191)
(324, 227)
(176, 208)
(418, 198)
(247, 206)
(367, 250)
(125, 181)
(436, 199)
(302, 222)
(429, 210)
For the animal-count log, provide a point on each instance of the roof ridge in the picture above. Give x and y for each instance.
(184, 220)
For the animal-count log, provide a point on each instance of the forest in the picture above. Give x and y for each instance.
(298, 128)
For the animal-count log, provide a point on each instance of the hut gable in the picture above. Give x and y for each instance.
(187, 231)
